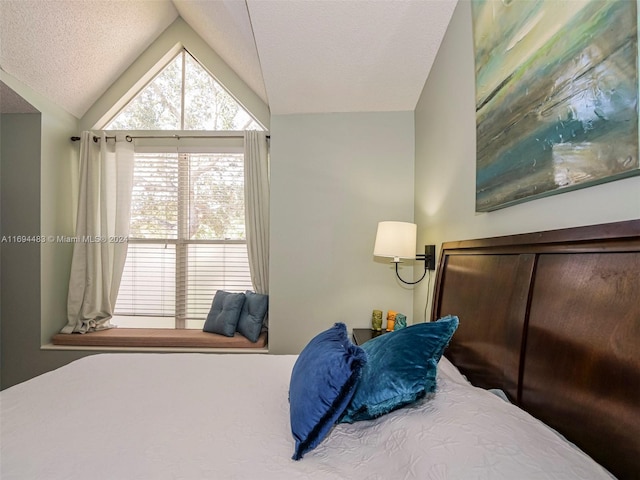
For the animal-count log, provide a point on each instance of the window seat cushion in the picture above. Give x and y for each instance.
(157, 337)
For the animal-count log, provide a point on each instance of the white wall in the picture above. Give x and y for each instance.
(446, 156)
(333, 178)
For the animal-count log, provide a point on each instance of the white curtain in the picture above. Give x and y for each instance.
(256, 198)
(100, 248)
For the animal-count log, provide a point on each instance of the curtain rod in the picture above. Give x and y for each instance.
(130, 138)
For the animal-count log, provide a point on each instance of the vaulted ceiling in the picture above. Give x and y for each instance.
(299, 56)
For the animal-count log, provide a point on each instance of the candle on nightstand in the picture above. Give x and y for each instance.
(391, 320)
(376, 320)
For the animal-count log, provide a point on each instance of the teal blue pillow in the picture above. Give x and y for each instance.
(322, 383)
(225, 313)
(252, 315)
(401, 368)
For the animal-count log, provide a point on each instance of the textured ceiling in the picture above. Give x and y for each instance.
(300, 56)
(71, 51)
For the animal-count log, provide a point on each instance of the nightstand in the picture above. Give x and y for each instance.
(361, 335)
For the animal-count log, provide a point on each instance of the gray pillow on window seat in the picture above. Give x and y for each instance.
(252, 315)
(225, 313)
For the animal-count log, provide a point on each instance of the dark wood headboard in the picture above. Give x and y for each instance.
(553, 319)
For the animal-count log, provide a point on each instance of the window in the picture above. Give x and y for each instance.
(186, 240)
(183, 96)
(187, 235)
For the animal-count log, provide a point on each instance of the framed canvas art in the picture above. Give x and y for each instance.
(556, 96)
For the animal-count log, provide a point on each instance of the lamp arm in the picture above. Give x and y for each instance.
(428, 257)
(411, 283)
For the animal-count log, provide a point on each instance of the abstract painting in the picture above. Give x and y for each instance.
(556, 96)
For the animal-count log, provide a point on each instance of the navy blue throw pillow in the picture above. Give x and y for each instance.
(401, 368)
(323, 380)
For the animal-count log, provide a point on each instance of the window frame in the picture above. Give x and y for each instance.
(181, 143)
(184, 54)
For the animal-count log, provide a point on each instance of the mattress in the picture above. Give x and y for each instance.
(200, 416)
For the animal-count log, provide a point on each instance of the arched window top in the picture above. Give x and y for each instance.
(183, 96)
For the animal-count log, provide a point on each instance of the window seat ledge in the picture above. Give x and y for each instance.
(157, 338)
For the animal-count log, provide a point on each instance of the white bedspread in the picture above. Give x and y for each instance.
(198, 416)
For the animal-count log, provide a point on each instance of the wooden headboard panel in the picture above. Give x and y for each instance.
(553, 319)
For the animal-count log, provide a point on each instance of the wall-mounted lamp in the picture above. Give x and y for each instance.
(397, 240)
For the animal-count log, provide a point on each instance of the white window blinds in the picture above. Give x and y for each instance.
(187, 238)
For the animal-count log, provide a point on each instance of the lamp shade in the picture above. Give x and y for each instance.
(396, 239)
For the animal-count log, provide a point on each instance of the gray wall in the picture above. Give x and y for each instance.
(333, 178)
(446, 156)
(38, 164)
(20, 192)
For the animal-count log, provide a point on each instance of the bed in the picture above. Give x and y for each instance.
(197, 416)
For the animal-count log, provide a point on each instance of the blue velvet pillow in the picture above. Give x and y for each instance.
(225, 313)
(323, 380)
(252, 315)
(401, 368)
